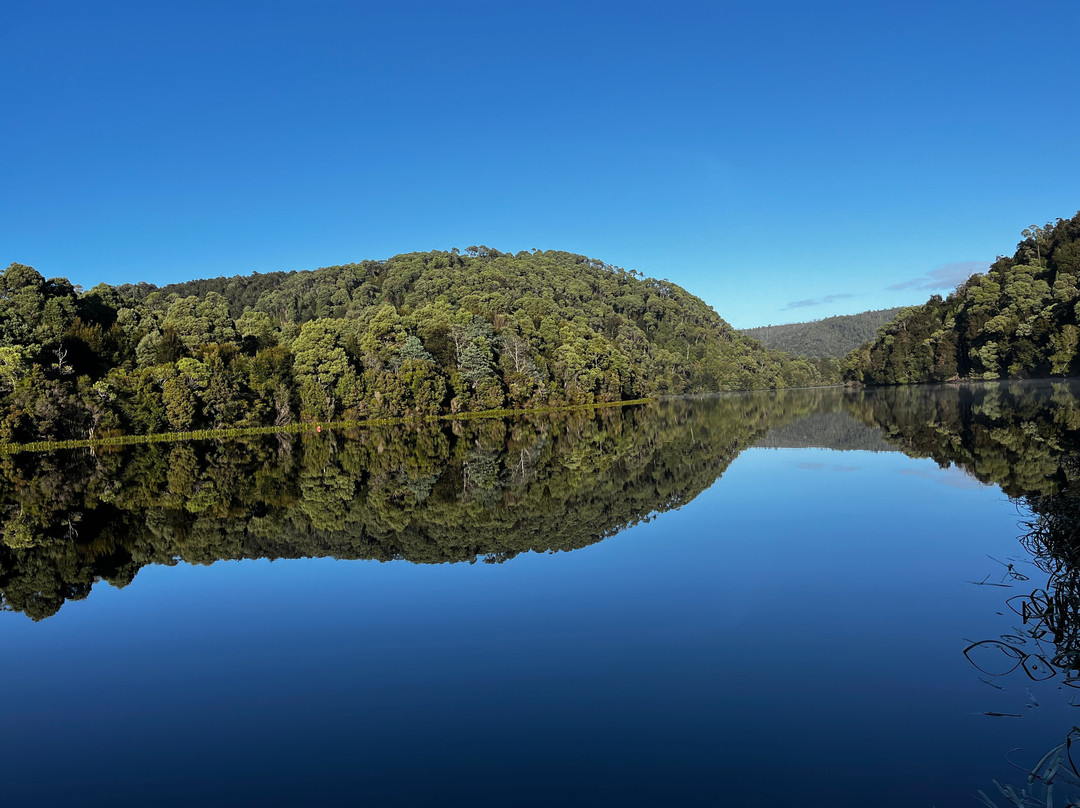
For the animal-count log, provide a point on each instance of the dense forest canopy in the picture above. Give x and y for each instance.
(832, 337)
(1019, 320)
(416, 334)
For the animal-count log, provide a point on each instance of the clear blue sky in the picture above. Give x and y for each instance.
(760, 154)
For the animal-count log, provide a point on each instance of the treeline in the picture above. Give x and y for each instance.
(417, 334)
(1019, 320)
(832, 337)
(452, 491)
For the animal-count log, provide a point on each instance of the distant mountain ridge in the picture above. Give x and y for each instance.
(832, 337)
(838, 431)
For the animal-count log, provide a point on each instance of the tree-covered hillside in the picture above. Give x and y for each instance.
(833, 337)
(416, 334)
(1019, 320)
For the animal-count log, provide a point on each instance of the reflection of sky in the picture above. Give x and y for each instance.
(789, 632)
(953, 477)
(826, 467)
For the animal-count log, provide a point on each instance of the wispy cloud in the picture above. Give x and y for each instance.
(948, 276)
(800, 304)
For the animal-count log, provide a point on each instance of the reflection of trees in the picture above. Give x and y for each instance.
(487, 489)
(1025, 438)
(1047, 643)
(1052, 614)
(1013, 434)
(470, 489)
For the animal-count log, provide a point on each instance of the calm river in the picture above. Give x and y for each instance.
(811, 598)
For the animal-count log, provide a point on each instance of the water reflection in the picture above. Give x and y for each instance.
(1022, 437)
(490, 490)
(486, 489)
(1045, 646)
(474, 490)
(1019, 436)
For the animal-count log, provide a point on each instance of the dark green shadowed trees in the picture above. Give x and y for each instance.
(1019, 320)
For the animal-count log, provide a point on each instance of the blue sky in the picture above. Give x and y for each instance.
(784, 161)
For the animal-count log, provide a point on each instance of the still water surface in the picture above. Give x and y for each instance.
(741, 600)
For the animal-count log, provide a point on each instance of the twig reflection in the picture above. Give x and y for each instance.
(1045, 646)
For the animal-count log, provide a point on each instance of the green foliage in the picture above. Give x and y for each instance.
(417, 334)
(1019, 320)
(832, 337)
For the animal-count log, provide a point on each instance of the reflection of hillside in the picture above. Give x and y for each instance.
(826, 430)
(1017, 435)
(477, 489)
(1025, 438)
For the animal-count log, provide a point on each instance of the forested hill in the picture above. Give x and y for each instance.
(416, 334)
(833, 337)
(1019, 320)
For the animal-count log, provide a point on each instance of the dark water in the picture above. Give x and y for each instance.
(743, 600)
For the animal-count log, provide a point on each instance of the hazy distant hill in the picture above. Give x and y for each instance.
(834, 337)
(826, 430)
